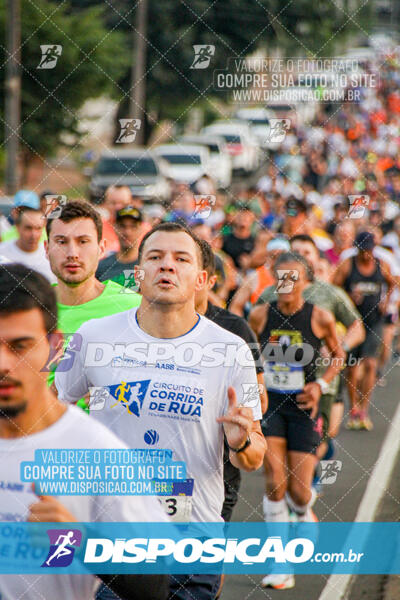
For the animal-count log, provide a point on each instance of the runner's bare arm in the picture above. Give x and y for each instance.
(258, 318)
(339, 276)
(239, 426)
(355, 334)
(263, 393)
(391, 282)
(324, 326)
(242, 296)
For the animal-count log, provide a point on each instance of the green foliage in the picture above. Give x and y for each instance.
(92, 59)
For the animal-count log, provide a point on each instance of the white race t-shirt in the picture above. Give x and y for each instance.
(163, 402)
(74, 429)
(36, 260)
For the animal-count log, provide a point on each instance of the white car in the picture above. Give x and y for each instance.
(258, 119)
(240, 142)
(220, 160)
(138, 168)
(186, 163)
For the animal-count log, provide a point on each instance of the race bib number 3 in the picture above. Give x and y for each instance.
(178, 505)
(284, 379)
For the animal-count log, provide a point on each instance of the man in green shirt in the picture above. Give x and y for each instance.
(74, 248)
(331, 298)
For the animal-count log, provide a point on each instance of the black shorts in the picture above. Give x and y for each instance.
(370, 346)
(285, 419)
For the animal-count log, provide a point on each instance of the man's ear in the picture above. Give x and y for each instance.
(46, 248)
(201, 280)
(211, 281)
(102, 248)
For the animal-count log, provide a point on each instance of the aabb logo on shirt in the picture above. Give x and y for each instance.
(130, 395)
(63, 543)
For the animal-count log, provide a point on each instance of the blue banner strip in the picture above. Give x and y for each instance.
(300, 548)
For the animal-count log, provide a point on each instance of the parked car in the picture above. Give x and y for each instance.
(139, 169)
(242, 145)
(186, 163)
(220, 160)
(258, 119)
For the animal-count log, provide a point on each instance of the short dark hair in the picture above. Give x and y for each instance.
(78, 210)
(302, 237)
(170, 228)
(286, 257)
(21, 210)
(208, 257)
(22, 289)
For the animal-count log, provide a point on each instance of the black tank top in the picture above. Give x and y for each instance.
(289, 348)
(370, 289)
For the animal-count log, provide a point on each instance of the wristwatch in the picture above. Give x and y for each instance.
(323, 385)
(243, 447)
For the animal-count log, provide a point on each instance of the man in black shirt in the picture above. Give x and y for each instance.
(128, 227)
(240, 243)
(238, 326)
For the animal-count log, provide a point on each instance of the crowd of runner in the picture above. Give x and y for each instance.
(304, 266)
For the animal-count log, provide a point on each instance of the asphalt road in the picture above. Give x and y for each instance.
(358, 451)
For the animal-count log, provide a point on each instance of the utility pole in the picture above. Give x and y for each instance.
(12, 94)
(138, 80)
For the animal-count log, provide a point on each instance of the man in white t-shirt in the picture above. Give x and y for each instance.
(173, 379)
(31, 418)
(28, 250)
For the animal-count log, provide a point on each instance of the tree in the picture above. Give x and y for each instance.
(235, 27)
(92, 60)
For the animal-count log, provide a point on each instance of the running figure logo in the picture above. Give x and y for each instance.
(278, 130)
(54, 204)
(129, 129)
(286, 280)
(358, 205)
(129, 282)
(251, 393)
(97, 397)
(63, 543)
(50, 55)
(130, 395)
(203, 205)
(202, 56)
(330, 471)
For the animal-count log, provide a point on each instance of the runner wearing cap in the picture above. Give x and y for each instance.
(27, 248)
(363, 277)
(255, 283)
(22, 199)
(128, 227)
